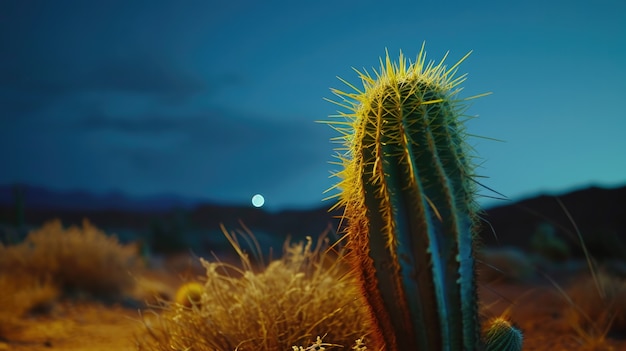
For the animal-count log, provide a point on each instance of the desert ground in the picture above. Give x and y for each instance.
(86, 324)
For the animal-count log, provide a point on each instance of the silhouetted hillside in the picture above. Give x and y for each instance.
(176, 223)
(599, 214)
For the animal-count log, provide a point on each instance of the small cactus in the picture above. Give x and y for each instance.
(189, 294)
(408, 193)
(502, 336)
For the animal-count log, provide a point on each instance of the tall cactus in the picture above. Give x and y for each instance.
(408, 194)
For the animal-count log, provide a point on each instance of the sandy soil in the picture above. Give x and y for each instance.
(95, 326)
(78, 326)
(539, 312)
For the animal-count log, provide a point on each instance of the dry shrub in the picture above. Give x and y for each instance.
(81, 259)
(598, 306)
(20, 295)
(506, 264)
(291, 302)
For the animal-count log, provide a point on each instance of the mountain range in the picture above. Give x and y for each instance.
(598, 214)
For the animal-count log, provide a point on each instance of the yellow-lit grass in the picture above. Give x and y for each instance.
(19, 295)
(596, 302)
(597, 308)
(74, 259)
(289, 303)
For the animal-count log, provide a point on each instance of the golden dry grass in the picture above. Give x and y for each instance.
(289, 304)
(81, 259)
(597, 308)
(53, 260)
(19, 295)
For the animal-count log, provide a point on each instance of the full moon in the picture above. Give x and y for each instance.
(258, 200)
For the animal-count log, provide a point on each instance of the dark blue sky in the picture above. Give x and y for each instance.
(218, 100)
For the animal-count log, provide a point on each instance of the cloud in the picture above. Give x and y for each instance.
(142, 124)
(27, 90)
(143, 76)
(223, 151)
(213, 130)
(202, 126)
(136, 75)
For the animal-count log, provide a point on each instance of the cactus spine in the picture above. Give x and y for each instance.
(408, 196)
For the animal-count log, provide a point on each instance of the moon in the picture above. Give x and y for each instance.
(258, 200)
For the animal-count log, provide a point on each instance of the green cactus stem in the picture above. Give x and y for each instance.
(407, 190)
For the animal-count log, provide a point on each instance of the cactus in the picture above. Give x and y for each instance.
(190, 294)
(407, 190)
(502, 336)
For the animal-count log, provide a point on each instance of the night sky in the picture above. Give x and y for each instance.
(218, 99)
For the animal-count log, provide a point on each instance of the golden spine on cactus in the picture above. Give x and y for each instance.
(407, 190)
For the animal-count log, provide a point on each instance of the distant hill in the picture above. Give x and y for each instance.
(599, 213)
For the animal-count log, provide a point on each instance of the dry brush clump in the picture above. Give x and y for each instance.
(289, 303)
(20, 295)
(597, 307)
(83, 259)
(52, 261)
